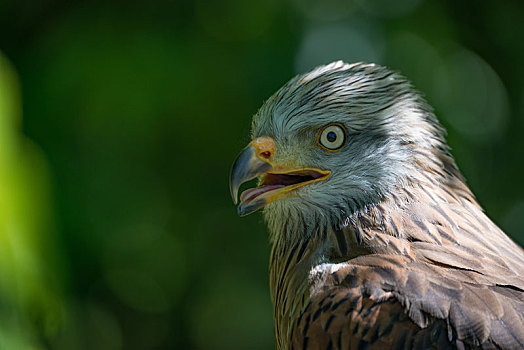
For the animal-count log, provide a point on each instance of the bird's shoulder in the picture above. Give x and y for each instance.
(395, 301)
(352, 306)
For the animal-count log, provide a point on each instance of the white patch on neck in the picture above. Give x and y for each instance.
(320, 273)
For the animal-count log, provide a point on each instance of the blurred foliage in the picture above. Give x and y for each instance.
(29, 269)
(116, 226)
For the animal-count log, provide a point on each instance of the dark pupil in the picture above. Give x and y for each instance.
(331, 136)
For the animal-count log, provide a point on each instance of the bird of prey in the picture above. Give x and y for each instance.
(377, 241)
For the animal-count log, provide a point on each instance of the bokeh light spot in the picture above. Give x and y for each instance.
(324, 44)
(387, 8)
(138, 290)
(473, 99)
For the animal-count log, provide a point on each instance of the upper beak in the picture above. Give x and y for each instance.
(277, 182)
(247, 166)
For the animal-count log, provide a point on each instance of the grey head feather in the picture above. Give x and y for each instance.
(384, 117)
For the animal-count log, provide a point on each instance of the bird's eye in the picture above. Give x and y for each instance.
(332, 137)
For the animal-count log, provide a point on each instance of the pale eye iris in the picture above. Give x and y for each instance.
(332, 137)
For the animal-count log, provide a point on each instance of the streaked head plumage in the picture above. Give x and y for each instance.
(388, 126)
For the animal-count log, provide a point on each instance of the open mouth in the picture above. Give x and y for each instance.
(276, 182)
(283, 182)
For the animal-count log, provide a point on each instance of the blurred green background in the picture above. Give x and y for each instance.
(119, 121)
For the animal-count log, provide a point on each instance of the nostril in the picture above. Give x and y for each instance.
(266, 154)
(264, 148)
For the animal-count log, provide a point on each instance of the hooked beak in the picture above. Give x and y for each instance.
(256, 160)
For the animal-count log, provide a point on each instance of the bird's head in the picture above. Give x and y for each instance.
(333, 141)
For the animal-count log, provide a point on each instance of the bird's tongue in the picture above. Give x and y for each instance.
(252, 193)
